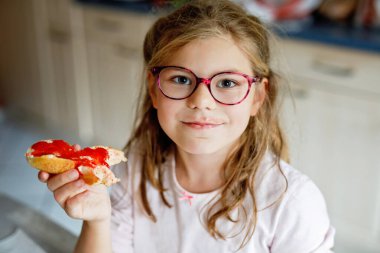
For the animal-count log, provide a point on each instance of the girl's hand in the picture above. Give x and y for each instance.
(79, 200)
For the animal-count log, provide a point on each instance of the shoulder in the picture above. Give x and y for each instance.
(301, 191)
(277, 180)
(276, 177)
(290, 187)
(301, 221)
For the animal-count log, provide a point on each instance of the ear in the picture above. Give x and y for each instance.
(260, 93)
(152, 88)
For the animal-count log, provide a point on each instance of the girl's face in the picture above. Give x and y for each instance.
(199, 124)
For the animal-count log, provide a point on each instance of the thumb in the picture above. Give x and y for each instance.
(43, 176)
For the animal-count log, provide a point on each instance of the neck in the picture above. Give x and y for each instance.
(200, 173)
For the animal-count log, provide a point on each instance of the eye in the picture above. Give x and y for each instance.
(226, 83)
(181, 80)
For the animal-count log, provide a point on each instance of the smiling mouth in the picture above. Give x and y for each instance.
(202, 125)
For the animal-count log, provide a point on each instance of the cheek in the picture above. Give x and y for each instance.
(239, 116)
(163, 104)
(166, 111)
(242, 112)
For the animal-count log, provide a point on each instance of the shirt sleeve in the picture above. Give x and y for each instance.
(122, 212)
(303, 224)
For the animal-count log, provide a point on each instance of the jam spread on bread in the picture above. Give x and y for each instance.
(92, 163)
(89, 157)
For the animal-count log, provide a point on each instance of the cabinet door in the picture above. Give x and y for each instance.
(62, 84)
(60, 39)
(115, 78)
(56, 61)
(335, 139)
(115, 60)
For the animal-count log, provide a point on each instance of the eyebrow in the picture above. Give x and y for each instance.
(215, 72)
(231, 70)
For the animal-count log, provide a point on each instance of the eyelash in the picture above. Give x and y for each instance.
(178, 77)
(231, 81)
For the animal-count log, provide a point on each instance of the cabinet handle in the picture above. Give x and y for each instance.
(332, 68)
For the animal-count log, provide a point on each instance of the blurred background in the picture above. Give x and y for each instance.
(71, 69)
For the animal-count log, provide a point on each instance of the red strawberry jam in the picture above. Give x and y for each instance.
(89, 157)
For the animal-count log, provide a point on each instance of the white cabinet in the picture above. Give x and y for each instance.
(114, 81)
(114, 51)
(42, 67)
(56, 61)
(75, 67)
(334, 135)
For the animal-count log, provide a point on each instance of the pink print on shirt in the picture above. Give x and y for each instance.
(186, 196)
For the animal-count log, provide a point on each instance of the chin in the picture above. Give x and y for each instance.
(200, 148)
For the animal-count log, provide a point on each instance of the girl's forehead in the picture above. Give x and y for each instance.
(210, 55)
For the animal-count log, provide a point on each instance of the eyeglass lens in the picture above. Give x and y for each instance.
(226, 88)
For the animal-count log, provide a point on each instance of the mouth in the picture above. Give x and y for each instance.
(201, 125)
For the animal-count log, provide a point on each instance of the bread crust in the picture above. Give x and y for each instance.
(51, 164)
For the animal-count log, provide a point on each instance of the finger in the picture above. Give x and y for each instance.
(74, 205)
(43, 176)
(68, 191)
(61, 179)
(89, 205)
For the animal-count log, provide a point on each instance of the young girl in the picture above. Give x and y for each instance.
(206, 168)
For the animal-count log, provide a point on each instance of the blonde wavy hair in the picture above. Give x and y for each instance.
(202, 19)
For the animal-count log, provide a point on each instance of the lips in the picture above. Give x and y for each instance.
(201, 124)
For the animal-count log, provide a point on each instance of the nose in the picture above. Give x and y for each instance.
(201, 98)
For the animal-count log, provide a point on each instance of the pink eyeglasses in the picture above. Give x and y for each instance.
(228, 88)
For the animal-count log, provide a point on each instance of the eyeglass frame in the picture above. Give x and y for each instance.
(206, 81)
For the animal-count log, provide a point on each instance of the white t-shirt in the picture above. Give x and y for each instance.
(291, 221)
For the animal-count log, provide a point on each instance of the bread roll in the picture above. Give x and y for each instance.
(93, 163)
